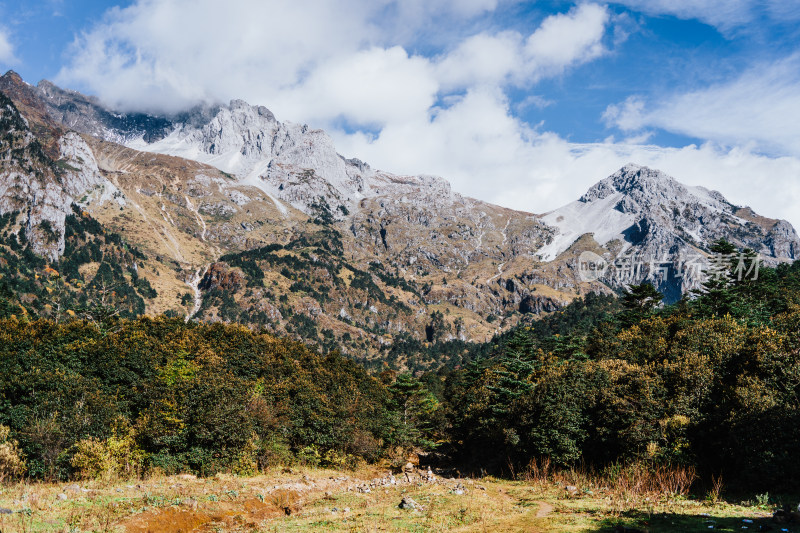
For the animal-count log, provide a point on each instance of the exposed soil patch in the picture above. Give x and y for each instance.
(215, 516)
(544, 509)
(171, 519)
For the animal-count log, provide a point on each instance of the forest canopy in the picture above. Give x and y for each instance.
(711, 382)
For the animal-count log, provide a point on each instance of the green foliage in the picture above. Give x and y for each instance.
(639, 301)
(416, 408)
(59, 291)
(115, 457)
(314, 267)
(683, 384)
(321, 211)
(203, 398)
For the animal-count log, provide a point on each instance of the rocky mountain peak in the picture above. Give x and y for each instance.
(39, 188)
(642, 191)
(292, 163)
(12, 77)
(642, 212)
(86, 114)
(247, 108)
(639, 183)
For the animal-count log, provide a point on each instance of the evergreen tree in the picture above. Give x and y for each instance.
(415, 406)
(638, 301)
(512, 370)
(642, 298)
(715, 297)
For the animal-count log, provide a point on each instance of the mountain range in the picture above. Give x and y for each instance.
(225, 213)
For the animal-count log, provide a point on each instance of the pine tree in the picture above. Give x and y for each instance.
(643, 298)
(416, 406)
(513, 368)
(715, 297)
(638, 301)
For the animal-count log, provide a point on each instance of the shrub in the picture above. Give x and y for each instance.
(270, 452)
(335, 459)
(12, 461)
(365, 445)
(285, 500)
(112, 458)
(309, 456)
(45, 442)
(91, 459)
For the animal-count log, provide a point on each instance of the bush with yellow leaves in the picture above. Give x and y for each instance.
(116, 457)
(12, 461)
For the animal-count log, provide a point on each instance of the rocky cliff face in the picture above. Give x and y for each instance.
(414, 224)
(41, 190)
(86, 115)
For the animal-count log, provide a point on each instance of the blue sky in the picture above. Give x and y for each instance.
(525, 104)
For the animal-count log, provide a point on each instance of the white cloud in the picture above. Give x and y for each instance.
(167, 54)
(313, 61)
(482, 59)
(725, 15)
(414, 12)
(760, 107)
(564, 40)
(628, 115)
(6, 49)
(561, 41)
(474, 142)
(174, 53)
(488, 154)
(533, 101)
(337, 64)
(372, 87)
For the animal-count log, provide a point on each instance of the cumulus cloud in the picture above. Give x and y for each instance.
(338, 62)
(760, 107)
(373, 87)
(475, 142)
(6, 49)
(561, 41)
(170, 54)
(482, 59)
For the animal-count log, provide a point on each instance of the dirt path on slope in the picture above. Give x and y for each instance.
(544, 509)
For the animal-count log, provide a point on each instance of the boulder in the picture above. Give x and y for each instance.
(408, 503)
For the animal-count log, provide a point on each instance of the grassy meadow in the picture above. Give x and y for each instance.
(314, 499)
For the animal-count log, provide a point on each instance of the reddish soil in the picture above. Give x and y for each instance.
(184, 520)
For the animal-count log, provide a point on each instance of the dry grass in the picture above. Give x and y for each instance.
(713, 495)
(327, 500)
(631, 483)
(637, 485)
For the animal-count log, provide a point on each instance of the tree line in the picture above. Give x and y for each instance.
(711, 382)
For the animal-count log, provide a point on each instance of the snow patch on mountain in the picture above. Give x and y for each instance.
(662, 227)
(579, 218)
(612, 207)
(291, 163)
